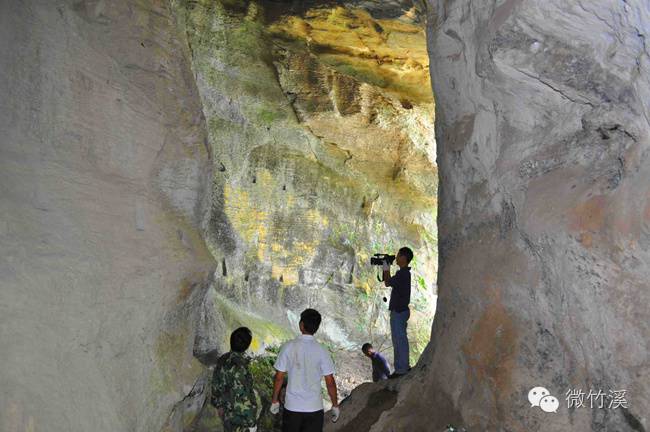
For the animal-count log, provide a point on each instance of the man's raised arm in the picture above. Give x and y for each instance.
(386, 273)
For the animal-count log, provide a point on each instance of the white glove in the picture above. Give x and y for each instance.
(275, 408)
(252, 429)
(385, 266)
(336, 412)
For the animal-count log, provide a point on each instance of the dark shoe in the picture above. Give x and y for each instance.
(395, 375)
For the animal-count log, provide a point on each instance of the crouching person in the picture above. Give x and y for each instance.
(380, 369)
(306, 363)
(232, 386)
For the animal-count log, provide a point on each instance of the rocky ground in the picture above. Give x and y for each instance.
(352, 370)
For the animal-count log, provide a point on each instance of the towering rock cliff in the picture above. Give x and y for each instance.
(320, 118)
(542, 115)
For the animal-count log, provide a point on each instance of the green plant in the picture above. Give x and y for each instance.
(262, 370)
(422, 283)
(419, 335)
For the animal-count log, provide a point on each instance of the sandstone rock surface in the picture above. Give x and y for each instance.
(141, 139)
(321, 128)
(103, 180)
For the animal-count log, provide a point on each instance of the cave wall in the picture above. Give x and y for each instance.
(105, 177)
(104, 189)
(323, 155)
(543, 118)
(544, 218)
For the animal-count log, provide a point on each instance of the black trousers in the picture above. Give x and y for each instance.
(293, 421)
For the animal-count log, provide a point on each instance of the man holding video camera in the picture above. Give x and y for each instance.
(400, 297)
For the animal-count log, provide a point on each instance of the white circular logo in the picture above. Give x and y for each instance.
(542, 398)
(536, 394)
(549, 404)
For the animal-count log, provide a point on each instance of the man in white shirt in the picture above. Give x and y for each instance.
(305, 361)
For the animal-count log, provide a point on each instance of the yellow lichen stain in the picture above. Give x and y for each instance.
(175, 364)
(248, 219)
(262, 216)
(363, 256)
(259, 343)
(305, 249)
(365, 287)
(290, 200)
(265, 332)
(265, 179)
(288, 275)
(16, 420)
(390, 53)
(316, 218)
(276, 248)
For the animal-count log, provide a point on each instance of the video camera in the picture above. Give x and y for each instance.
(378, 259)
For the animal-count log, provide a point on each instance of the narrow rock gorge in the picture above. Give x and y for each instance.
(173, 169)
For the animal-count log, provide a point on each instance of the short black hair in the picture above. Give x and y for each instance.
(310, 319)
(365, 347)
(407, 252)
(241, 339)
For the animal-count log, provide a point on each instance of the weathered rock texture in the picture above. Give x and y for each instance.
(320, 122)
(323, 152)
(103, 173)
(544, 220)
(105, 180)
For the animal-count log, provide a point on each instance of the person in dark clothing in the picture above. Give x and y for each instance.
(380, 369)
(400, 297)
(232, 386)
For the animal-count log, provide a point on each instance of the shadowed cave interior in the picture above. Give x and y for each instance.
(172, 170)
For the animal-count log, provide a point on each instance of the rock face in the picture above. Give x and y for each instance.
(143, 139)
(322, 134)
(103, 179)
(544, 219)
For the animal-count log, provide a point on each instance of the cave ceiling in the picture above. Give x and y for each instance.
(379, 43)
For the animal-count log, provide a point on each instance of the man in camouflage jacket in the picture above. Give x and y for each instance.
(232, 386)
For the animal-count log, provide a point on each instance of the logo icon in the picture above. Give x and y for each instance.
(536, 394)
(549, 404)
(542, 398)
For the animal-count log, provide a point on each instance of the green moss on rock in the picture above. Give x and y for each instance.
(265, 333)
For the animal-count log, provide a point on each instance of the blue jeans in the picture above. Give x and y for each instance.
(398, 323)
